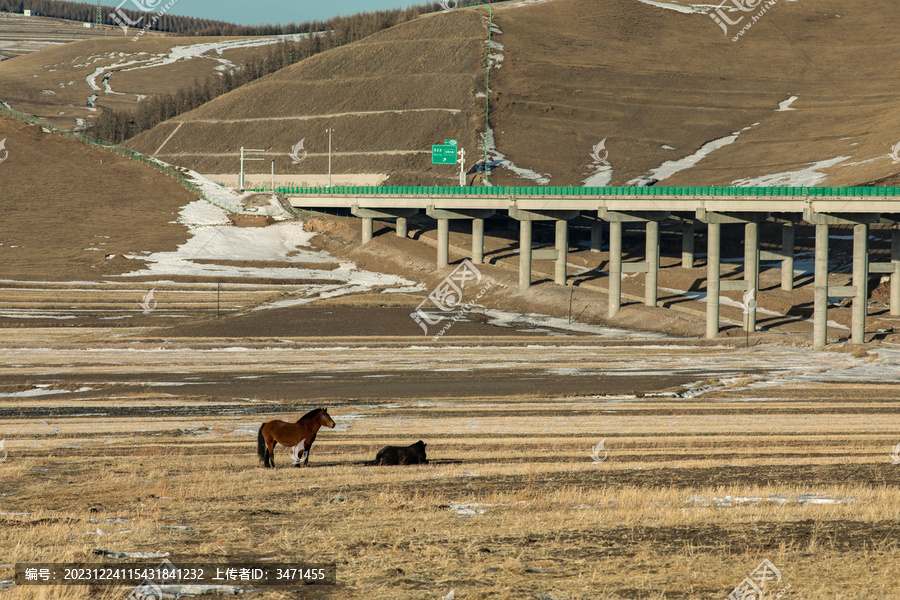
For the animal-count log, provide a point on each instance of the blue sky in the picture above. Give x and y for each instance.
(259, 12)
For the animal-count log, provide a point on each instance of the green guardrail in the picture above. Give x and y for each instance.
(344, 190)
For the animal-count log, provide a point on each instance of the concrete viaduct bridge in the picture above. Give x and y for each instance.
(787, 206)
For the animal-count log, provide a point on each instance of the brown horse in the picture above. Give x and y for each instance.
(290, 434)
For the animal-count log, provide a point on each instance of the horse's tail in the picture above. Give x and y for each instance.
(261, 449)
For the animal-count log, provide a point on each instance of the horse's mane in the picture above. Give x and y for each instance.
(310, 414)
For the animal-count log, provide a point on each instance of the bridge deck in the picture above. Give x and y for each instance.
(713, 199)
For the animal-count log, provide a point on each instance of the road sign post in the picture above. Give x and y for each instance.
(444, 154)
(462, 167)
(449, 153)
(243, 158)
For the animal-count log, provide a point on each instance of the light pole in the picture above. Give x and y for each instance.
(329, 131)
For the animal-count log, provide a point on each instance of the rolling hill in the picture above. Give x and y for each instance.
(68, 85)
(388, 97)
(71, 211)
(21, 35)
(806, 96)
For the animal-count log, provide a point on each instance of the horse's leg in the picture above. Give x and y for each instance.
(306, 458)
(270, 453)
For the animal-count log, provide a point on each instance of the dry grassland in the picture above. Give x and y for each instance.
(695, 487)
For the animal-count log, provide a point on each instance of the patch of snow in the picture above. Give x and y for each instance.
(171, 590)
(494, 154)
(214, 238)
(501, 318)
(469, 510)
(687, 10)
(521, 3)
(601, 178)
(670, 167)
(115, 554)
(730, 501)
(32, 392)
(786, 105)
(495, 58)
(207, 50)
(809, 176)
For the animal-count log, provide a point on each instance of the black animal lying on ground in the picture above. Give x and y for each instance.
(402, 455)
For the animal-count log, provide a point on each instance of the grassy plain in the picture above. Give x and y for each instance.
(694, 487)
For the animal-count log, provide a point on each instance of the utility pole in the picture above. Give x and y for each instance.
(487, 95)
(329, 131)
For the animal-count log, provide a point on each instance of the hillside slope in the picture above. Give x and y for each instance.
(67, 207)
(69, 84)
(806, 96)
(657, 85)
(388, 97)
(21, 35)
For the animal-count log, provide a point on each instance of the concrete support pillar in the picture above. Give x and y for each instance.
(615, 267)
(687, 244)
(860, 282)
(402, 227)
(562, 251)
(895, 276)
(524, 255)
(751, 271)
(443, 243)
(652, 258)
(596, 236)
(525, 218)
(713, 259)
(443, 217)
(820, 299)
(477, 241)
(368, 215)
(787, 263)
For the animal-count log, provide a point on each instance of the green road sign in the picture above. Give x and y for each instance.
(444, 154)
